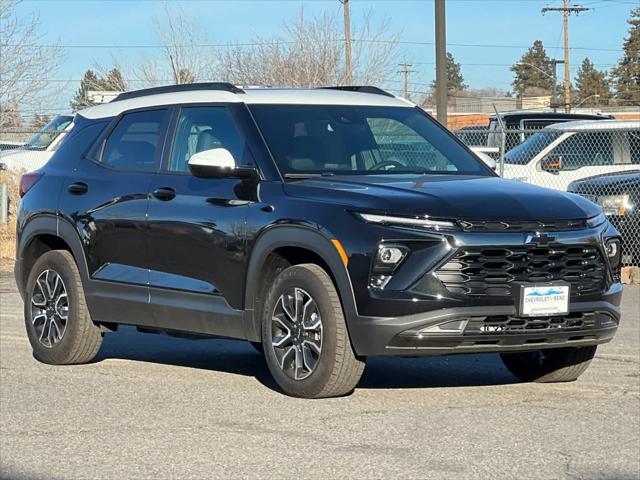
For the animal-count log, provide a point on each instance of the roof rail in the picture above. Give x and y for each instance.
(361, 89)
(185, 87)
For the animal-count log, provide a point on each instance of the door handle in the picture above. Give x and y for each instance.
(164, 193)
(78, 188)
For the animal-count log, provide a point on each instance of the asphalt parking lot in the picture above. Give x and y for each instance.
(159, 407)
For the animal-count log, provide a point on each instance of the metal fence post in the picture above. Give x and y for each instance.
(4, 203)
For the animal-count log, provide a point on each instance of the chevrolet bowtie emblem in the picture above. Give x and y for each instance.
(539, 239)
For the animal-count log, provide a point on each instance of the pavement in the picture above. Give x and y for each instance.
(156, 407)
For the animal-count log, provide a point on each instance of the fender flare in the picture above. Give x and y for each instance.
(302, 237)
(47, 224)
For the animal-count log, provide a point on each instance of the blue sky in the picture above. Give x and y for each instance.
(510, 26)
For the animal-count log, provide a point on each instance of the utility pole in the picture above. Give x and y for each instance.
(441, 62)
(347, 42)
(405, 72)
(566, 11)
(554, 94)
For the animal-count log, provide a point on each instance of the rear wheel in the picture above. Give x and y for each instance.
(549, 365)
(305, 338)
(58, 324)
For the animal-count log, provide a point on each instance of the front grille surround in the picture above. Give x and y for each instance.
(511, 324)
(522, 225)
(498, 271)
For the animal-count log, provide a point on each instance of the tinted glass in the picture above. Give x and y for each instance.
(49, 133)
(351, 140)
(136, 141)
(205, 128)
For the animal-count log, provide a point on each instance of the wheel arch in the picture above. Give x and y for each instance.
(290, 244)
(43, 233)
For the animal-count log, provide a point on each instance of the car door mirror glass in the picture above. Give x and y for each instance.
(217, 163)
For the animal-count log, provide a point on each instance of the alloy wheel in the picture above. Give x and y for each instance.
(296, 333)
(49, 308)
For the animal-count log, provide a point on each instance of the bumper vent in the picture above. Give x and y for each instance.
(491, 271)
(494, 325)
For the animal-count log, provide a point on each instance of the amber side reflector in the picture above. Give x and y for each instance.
(340, 249)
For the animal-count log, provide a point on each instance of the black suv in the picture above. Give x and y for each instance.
(322, 225)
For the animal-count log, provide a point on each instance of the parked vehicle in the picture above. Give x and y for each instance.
(298, 219)
(565, 152)
(619, 196)
(39, 149)
(520, 125)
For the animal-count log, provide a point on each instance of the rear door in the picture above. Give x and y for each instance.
(108, 199)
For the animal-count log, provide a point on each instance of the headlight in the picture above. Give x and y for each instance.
(596, 221)
(613, 248)
(420, 222)
(615, 204)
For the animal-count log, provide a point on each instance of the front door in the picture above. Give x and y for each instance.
(197, 251)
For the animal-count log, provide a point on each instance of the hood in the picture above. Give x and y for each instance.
(446, 197)
(23, 159)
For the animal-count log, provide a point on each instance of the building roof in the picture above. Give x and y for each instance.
(250, 95)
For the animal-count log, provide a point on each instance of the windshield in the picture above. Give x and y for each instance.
(42, 139)
(308, 140)
(527, 150)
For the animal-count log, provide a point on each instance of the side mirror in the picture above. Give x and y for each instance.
(218, 163)
(552, 164)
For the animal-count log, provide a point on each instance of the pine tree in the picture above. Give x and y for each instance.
(592, 86)
(626, 74)
(455, 80)
(533, 72)
(113, 81)
(90, 81)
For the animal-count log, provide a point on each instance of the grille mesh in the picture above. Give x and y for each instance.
(492, 271)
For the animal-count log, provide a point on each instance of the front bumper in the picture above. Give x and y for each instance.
(405, 335)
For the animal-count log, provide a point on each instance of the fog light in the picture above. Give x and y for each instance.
(390, 255)
(612, 249)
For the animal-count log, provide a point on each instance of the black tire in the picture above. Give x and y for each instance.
(550, 365)
(337, 369)
(80, 339)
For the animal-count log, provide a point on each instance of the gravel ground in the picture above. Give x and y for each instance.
(158, 407)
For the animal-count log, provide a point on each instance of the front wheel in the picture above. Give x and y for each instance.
(549, 365)
(305, 338)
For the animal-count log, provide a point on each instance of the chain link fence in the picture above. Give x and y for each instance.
(600, 161)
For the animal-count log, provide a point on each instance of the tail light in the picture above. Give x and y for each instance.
(27, 181)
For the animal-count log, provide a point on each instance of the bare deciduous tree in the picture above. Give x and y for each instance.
(25, 66)
(310, 53)
(183, 57)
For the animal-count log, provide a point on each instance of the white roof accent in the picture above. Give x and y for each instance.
(595, 125)
(289, 96)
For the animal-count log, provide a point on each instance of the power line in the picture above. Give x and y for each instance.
(288, 42)
(405, 73)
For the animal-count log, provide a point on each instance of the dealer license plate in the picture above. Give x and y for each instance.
(544, 300)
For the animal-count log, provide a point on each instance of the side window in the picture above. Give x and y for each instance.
(136, 142)
(205, 128)
(582, 150)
